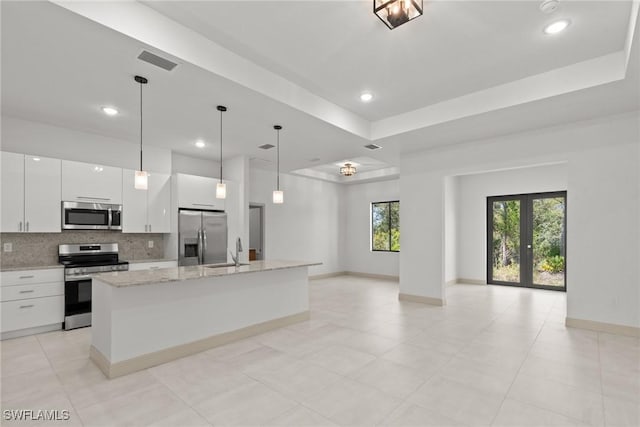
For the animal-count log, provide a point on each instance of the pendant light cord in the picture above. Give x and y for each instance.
(278, 161)
(221, 146)
(140, 126)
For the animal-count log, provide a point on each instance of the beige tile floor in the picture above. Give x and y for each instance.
(493, 356)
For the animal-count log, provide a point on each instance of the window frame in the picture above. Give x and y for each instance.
(371, 239)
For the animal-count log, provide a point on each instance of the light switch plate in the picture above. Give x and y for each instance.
(150, 244)
(7, 247)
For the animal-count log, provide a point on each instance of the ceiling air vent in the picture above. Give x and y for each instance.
(156, 60)
(372, 146)
(266, 146)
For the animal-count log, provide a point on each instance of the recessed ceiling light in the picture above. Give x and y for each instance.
(557, 27)
(200, 144)
(36, 159)
(109, 111)
(366, 96)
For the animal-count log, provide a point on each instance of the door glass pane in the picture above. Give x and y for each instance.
(506, 241)
(548, 241)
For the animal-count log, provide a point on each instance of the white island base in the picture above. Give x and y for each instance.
(142, 319)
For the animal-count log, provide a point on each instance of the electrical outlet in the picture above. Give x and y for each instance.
(7, 247)
(150, 244)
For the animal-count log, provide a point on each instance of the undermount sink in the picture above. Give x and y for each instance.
(228, 264)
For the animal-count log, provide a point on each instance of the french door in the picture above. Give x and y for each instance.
(526, 240)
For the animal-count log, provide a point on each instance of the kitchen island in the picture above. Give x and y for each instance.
(144, 318)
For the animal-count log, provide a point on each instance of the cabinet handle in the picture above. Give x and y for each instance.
(27, 228)
(26, 292)
(202, 204)
(20, 226)
(26, 306)
(26, 277)
(149, 228)
(145, 228)
(93, 198)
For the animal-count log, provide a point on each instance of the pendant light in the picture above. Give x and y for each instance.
(278, 196)
(141, 176)
(221, 188)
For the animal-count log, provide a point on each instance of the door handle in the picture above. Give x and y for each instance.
(200, 248)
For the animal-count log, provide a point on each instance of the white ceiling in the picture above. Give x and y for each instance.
(337, 49)
(59, 67)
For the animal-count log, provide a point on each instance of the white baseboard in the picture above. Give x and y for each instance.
(124, 367)
(373, 276)
(30, 331)
(470, 281)
(611, 328)
(327, 275)
(421, 299)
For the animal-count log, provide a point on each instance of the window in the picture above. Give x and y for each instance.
(385, 226)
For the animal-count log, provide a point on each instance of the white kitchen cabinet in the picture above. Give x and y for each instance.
(92, 183)
(146, 211)
(198, 192)
(153, 265)
(30, 193)
(31, 299)
(12, 192)
(42, 194)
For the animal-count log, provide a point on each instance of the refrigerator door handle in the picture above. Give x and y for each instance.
(204, 243)
(200, 248)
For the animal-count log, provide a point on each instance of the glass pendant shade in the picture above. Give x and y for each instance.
(397, 12)
(141, 180)
(278, 197)
(221, 190)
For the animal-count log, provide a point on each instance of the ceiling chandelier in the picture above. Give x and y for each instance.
(396, 12)
(348, 169)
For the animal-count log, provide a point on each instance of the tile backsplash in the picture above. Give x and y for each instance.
(41, 249)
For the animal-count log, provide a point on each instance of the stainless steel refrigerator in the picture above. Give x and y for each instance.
(202, 237)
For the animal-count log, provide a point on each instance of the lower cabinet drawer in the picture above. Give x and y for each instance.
(152, 265)
(12, 293)
(26, 277)
(30, 313)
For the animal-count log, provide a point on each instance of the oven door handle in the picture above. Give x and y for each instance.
(76, 278)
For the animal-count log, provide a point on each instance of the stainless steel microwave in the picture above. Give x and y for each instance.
(91, 216)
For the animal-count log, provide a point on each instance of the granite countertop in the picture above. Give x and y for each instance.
(140, 261)
(122, 279)
(37, 267)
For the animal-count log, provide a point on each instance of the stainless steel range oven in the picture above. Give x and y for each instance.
(80, 262)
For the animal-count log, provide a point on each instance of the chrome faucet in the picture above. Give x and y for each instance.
(236, 258)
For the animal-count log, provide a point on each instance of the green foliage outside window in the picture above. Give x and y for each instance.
(385, 226)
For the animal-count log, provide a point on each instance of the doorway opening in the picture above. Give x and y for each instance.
(527, 240)
(256, 232)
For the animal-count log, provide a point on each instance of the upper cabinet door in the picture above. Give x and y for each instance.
(198, 192)
(12, 192)
(159, 199)
(86, 182)
(42, 194)
(134, 205)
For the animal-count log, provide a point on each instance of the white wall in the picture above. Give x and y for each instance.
(23, 136)
(451, 218)
(473, 191)
(603, 206)
(358, 256)
(307, 226)
(195, 166)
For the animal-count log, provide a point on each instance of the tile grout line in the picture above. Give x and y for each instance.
(604, 412)
(493, 420)
(177, 396)
(67, 395)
